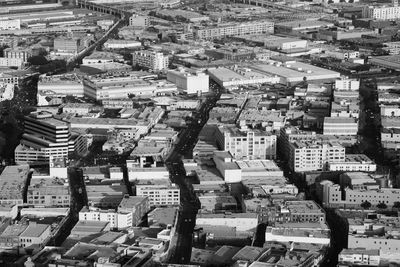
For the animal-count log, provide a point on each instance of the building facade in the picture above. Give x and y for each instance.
(149, 59)
(160, 195)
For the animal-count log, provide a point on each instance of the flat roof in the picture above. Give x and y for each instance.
(227, 216)
(131, 202)
(293, 69)
(89, 227)
(35, 230)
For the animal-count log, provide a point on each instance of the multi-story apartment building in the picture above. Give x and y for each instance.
(160, 195)
(381, 13)
(44, 137)
(314, 155)
(234, 29)
(347, 84)
(246, 144)
(150, 59)
(11, 62)
(18, 53)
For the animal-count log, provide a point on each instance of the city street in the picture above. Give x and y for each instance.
(189, 202)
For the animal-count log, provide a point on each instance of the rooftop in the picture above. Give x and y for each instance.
(35, 230)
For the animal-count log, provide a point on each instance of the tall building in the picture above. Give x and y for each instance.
(246, 144)
(189, 82)
(314, 155)
(150, 59)
(44, 137)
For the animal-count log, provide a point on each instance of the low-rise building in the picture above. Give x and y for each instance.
(160, 195)
(359, 257)
(129, 213)
(242, 221)
(13, 184)
(51, 192)
(340, 126)
(314, 233)
(353, 163)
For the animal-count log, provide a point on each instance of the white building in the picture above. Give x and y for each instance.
(44, 137)
(241, 221)
(116, 219)
(139, 21)
(284, 43)
(122, 44)
(310, 233)
(160, 195)
(247, 144)
(360, 257)
(11, 62)
(129, 213)
(359, 238)
(381, 13)
(340, 126)
(353, 163)
(150, 59)
(148, 174)
(234, 29)
(314, 155)
(392, 110)
(189, 82)
(347, 84)
(390, 138)
(10, 24)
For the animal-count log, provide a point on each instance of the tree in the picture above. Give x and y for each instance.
(382, 206)
(366, 205)
(38, 60)
(396, 205)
